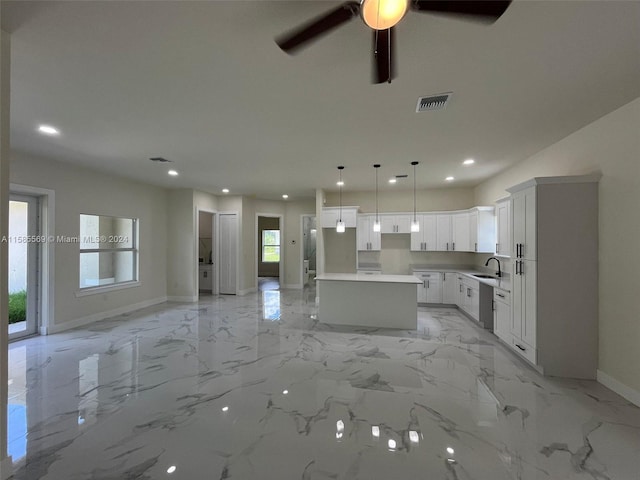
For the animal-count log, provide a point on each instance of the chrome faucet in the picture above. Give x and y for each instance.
(499, 272)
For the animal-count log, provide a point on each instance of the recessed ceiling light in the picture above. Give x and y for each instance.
(469, 161)
(225, 190)
(285, 196)
(48, 130)
(171, 469)
(392, 180)
(173, 173)
(225, 408)
(340, 183)
(285, 392)
(449, 179)
(450, 451)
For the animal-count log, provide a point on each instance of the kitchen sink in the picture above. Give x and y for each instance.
(482, 275)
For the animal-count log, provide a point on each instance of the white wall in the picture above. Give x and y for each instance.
(610, 145)
(79, 190)
(5, 56)
(181, 250)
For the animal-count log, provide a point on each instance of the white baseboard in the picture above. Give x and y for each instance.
(80, 322)
(183, 299)
(6, 468)
(620, 388)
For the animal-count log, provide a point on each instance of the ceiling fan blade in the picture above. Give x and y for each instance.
(482, 10)
(384, 46)
(300, 36)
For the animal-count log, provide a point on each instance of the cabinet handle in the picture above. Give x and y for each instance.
(521, 268)
(493, 305)
(453, 246)
(497, 250)
(521, 347)
(444, 276)
(476, 247)
(500, 295)
(468, 292)
(427, 283)
(447, 246)
(460, 288)
(517, 264)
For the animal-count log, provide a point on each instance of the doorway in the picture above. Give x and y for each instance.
(309, 231)
(269, 254)
(206, 248)
(24, 254)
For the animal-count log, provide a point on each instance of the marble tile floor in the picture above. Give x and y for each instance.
(255, 388)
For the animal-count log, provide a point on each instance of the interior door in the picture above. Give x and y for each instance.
(228, 253)
(24, 249)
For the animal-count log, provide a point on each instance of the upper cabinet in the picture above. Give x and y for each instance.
(366, 238)
(523, 219)
(503, 228)
(460, 235)
(482, 229)
(395, 223)
(331, 215)
(425, 239)
(443, 232)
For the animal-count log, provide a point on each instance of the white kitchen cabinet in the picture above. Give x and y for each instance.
(470, 300)
(460, 291)
(523, 214)
(205, 277)
(369, 272)
(395, 223)
(502, 314)
(482, 230)
(443, 232)
(331, 215)
(460, 232)
(554, 276)
(449, 288)
(366, 238)
(430, 291)
(503, 228)
(523, 324)
(425, 239)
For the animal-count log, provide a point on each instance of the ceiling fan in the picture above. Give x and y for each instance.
(382, 16)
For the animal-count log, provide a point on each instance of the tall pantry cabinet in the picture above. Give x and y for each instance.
(554, 296)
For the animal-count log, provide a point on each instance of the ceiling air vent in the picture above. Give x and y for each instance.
(433, 102)
(160, 160)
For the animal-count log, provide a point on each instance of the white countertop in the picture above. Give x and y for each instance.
(355, 277)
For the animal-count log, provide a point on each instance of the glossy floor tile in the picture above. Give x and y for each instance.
(254, 388)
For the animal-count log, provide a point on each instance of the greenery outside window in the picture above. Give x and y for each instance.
(271, 246)
(108, 251)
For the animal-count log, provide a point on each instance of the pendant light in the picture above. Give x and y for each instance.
(376, 224)
(415, 226)
(340, 227)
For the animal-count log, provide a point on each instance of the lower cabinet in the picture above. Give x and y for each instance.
(450, 288)
(471, 298)
(430, 291)
(502, 314)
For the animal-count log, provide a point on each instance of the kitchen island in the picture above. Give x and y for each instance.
(388, 301)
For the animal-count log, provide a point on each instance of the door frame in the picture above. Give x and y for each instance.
(46, 258)
(280, 218)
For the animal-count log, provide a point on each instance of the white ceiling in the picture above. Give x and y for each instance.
(203, 84)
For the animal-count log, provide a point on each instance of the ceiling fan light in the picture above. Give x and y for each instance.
(383, 14)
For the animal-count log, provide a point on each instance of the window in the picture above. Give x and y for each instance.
(108, 250)
(271, 246)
